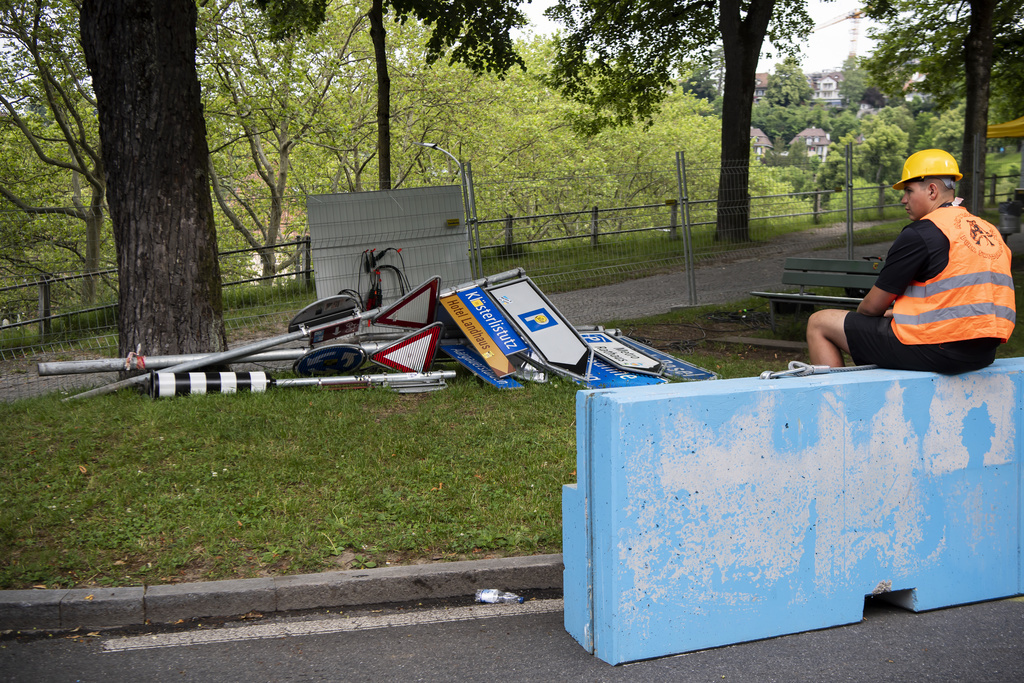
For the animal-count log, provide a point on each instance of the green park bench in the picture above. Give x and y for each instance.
(856, 277)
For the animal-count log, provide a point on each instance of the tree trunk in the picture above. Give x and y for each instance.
(378, 35)
(141, 55)
(978, 71)
(742, 39)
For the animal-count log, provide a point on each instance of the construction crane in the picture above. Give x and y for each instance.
(854, 15)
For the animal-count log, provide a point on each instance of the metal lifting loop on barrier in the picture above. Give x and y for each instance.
(801, 369)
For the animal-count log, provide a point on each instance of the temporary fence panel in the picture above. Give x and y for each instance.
(356, 239)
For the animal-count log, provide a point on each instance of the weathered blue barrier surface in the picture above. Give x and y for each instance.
(720, 512)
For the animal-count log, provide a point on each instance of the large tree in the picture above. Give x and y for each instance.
(953, 45)
(141, 55)
(623, 59)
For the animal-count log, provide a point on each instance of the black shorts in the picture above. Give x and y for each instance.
(873, 342)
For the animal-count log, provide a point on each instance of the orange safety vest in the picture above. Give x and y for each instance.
(971, 298)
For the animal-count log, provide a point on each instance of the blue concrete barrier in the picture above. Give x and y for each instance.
(712, 513)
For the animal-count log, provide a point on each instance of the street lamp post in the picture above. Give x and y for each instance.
(468, 208)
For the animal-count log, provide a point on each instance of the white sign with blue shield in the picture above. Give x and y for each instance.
(557, 342)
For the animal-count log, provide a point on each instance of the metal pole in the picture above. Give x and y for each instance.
(44, 307)
(395, 379)
(474, 223)
(82, 367)
(468, 211)
(691, 275)
(849, 201)
(212, 359)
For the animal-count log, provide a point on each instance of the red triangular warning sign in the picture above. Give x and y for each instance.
(412, 353)
(415, 309)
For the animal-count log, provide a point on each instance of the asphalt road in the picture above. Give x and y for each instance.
(462, 642)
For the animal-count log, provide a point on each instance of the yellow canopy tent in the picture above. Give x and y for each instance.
(1010, 129)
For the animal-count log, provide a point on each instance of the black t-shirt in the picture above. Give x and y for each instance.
(919, 252)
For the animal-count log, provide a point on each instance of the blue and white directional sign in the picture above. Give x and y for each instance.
(670, 365)
(492, 318)
(471, 360)
(557, 342)
(619, 355)
(604, 376)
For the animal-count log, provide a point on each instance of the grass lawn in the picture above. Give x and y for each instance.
(124, 490)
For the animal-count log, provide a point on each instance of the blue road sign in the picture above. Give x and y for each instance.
(336, 359)
(604, 376)
(493, 320)
(670, 365)
(471, 360)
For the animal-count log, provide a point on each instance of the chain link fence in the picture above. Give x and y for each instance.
(567, 232)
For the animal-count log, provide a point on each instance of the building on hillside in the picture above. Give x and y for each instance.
(814, 139)
(866, 109)
(910, 90)
(760, 142)
(760, 86)
(825, 85)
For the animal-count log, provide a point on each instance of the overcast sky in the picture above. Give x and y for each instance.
(826, 48)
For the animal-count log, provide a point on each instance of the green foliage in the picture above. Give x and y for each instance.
(291, 18)
(788, 87)
(52, 183)
(927, 37)
(948, 131)
(880, 157)
(779, 123)
(854, 83)
(476, 33)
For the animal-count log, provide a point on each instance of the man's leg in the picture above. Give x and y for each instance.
(826, 339)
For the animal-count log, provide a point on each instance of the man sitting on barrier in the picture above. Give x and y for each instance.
(946, 276)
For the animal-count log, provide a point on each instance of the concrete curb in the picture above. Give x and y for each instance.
(113, 607)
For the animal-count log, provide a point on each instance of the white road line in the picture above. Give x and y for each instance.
(340, 624)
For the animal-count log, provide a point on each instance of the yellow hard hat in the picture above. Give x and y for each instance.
(928, 162)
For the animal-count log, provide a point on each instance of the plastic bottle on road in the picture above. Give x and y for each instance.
(495, 595)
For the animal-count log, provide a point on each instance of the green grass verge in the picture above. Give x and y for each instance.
(124, 490)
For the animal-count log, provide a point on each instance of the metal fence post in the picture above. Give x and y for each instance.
(691, 276)
(474, 226)
(673, 233)
(307, 253)
(44, 307)
(849, 200)
(509, 239)
(817, 206)
(593, 227)
(881, 200)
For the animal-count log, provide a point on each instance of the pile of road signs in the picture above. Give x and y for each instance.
(501, 328)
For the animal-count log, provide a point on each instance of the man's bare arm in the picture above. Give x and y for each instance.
(876, 303)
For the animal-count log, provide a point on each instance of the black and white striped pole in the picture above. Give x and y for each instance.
(168, 384)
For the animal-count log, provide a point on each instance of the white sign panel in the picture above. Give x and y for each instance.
(618, 354)
(549, 333)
